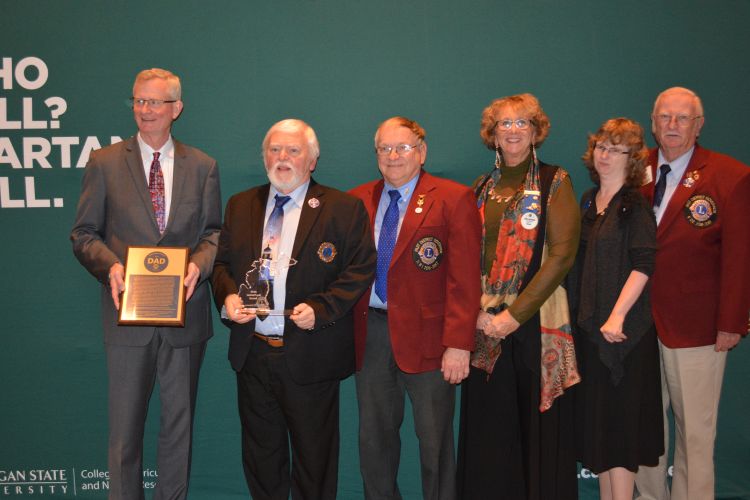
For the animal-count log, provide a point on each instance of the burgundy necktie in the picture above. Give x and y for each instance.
(156, 187)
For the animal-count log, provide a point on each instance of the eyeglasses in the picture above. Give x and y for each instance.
(613, 150)
(682, 120)
(152, 103)
(293, 151)
(521, 124)
(401, 149)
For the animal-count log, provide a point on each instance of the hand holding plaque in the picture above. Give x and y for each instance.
(154, 286)
(257, 290)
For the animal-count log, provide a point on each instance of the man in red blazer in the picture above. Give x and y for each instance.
(700, 287)
(414, 329)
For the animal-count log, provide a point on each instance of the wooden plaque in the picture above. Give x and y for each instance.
(154, 286)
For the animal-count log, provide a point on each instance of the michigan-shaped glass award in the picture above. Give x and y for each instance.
(256, 291)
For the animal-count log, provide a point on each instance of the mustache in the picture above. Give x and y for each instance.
(280, 163)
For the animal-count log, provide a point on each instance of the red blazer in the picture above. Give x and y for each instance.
(429, 308)
(701, 281)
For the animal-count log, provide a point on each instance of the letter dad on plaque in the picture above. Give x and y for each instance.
(154, 286)
(257, 290)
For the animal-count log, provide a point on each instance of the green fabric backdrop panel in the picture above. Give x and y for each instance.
(343, 66)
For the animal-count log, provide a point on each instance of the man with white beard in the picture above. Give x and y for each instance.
(294, 257)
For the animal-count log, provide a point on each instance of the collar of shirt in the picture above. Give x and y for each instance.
(677, 167)
(297, 198)
(166, 161)
(677, 170)
(147, 155)
(406, 191)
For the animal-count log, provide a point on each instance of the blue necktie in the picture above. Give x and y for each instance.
(271, 236)
(386, 244)
(661, 185)
(272, 232)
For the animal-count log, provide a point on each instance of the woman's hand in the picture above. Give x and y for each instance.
(501, 326)
(483, 319)
(612, 329)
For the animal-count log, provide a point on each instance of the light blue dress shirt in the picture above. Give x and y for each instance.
(406, 191)
(678, 167)
(274, 325)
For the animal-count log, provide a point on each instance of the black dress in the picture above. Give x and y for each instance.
(618, 404)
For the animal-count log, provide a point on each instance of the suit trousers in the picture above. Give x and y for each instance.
(381, 388)
(133, 372)
(275, 409)
(691, 384)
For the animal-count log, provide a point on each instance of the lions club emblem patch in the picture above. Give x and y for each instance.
(427, 253)
(327, 252)
(700, 210)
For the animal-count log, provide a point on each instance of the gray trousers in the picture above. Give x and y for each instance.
(132, 374)
(381, 388)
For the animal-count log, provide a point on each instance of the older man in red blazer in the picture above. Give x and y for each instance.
(700, 288)
(414, 329)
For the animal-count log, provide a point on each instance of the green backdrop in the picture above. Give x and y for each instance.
(343, 66)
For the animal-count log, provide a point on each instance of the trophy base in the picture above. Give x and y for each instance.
(263, 312)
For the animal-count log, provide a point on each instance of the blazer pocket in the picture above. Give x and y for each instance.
(432, 318)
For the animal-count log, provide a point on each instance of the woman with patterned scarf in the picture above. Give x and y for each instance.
(516, 428)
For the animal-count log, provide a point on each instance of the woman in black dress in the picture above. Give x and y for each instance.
(618, 403)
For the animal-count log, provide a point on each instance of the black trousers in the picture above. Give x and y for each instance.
(275, 411)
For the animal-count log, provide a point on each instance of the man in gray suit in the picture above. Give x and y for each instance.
(150, 190)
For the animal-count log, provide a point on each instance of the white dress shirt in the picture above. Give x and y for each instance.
(166, 160)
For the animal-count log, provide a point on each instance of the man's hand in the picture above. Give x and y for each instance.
(191, 279)
(234, 309)
(726, 341)
(116, 282)
(455, 365)
(303, 316)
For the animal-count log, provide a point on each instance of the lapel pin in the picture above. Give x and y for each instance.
(313, 202)
(420, 202)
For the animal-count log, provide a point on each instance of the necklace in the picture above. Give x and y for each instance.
(497, 198)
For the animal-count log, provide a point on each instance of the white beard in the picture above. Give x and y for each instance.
(291, 183)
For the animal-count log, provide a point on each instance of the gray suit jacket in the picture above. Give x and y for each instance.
(115, 211)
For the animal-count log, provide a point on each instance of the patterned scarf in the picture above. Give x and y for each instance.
(502, 284)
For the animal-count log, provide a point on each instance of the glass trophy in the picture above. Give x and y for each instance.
(257, 290)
